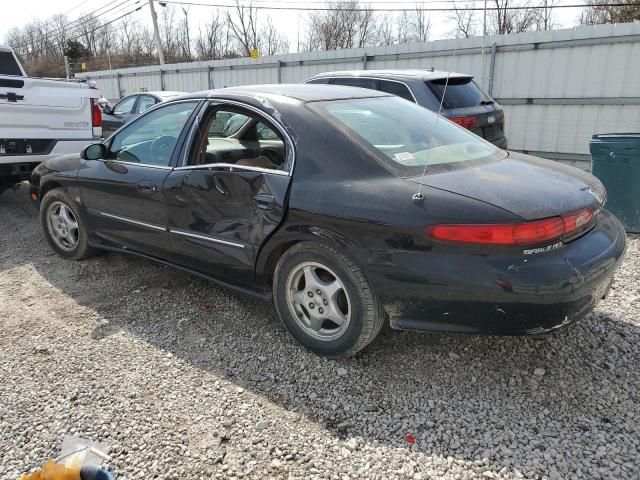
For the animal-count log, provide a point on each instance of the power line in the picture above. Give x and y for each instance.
(414, 9)
(61, 28)
(91, 31)
(88, 18)
(51, 21)
(77, 6)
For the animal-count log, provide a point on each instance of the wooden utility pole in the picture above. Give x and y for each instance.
(156, 32)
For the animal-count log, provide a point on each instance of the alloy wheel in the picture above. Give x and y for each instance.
(318, 301)
(63, 226)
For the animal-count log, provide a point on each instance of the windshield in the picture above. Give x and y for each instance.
(404, 135)
(460, 92)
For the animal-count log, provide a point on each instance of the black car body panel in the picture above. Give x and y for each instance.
(232, 224)
(229, 216)
(542, 188)
(509, 293)
(123, 202)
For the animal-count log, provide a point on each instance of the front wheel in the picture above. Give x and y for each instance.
(324, 300)
(63, 227)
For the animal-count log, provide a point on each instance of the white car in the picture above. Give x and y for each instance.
(41, 118)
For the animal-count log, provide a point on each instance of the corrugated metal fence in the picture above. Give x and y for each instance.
(557, 87)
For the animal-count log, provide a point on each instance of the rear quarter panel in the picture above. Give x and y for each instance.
(341, 195)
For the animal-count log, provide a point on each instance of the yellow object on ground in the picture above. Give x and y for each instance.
(58, 471)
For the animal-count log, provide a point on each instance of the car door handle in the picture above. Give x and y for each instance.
(219, 185)
(146, 187)
(264, 201)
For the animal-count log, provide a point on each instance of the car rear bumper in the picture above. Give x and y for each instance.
(500, 294)
(60, 147)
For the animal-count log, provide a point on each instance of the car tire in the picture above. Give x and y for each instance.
(63, 226)
(316, 287)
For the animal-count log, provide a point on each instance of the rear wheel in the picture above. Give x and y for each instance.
(63, 227)
(324, 300)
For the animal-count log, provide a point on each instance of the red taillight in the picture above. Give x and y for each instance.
(527, 233)
(576, 220)
(96, 113)
(466, 122)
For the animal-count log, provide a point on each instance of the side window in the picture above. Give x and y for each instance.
(9, 64)
(395, 88)
(356, 82)
(265, 132)
(145, 103)
(246, 139)
(225, 124)
(124, 106)
(152, 138)
(319, 80)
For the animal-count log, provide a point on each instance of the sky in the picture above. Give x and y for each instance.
(289, 22)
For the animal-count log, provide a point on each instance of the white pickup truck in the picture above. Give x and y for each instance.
(41, 118)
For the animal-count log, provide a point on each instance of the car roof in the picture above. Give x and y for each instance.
(296, 91)
(167, 94)
(395, 74)
(162, 94)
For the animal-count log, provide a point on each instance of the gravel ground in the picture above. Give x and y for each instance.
(186, 380)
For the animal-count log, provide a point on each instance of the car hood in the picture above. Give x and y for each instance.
(527, 186)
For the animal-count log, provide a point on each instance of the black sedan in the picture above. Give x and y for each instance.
(348, 207)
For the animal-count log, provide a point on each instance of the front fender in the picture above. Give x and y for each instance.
(55, 173)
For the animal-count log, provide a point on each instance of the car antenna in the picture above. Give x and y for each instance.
(419, 197)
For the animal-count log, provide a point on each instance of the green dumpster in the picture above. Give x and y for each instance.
(615, 160)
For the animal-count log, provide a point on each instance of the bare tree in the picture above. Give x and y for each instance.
(413, 27)
(87, 30)
(271, 41)
(169, 33)
(99, 44)
(505, 19)
(386, 31)
(243, 26)
(421, 25)
(597, 13)
(545, 15)
(464, 19)
(345, 24)
(213, 42)
(367, 29)
(404, 28)
(184, 37)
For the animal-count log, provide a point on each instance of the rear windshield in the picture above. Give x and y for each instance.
(8, 64)
(405, 136)
(460, 92)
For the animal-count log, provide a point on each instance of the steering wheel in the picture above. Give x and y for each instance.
(162, 147)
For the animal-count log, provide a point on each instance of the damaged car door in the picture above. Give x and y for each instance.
(230, 194)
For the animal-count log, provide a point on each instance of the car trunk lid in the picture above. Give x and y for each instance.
(530, 187)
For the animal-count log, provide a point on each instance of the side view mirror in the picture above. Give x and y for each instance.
(107, 109)
(95, 151)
